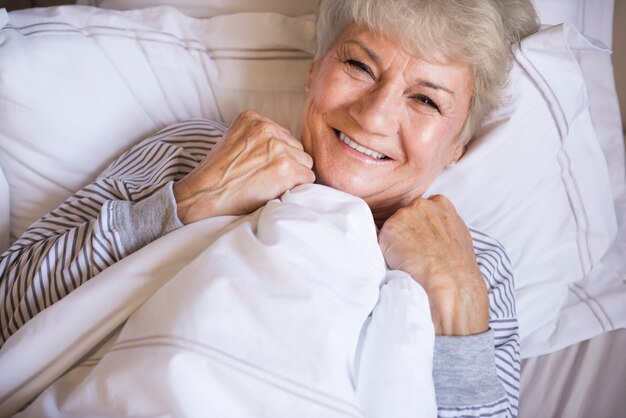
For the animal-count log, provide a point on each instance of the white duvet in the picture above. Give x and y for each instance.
(286, 312)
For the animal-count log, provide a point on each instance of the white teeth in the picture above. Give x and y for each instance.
(354, 145)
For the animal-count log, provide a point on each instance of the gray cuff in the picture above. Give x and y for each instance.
(139, 223)
(464, 370)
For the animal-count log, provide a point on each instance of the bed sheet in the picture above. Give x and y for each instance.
(585, 380)
(273, 305)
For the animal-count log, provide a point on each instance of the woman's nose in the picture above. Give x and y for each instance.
(377, 111)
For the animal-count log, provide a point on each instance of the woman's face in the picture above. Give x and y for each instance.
(382, 124)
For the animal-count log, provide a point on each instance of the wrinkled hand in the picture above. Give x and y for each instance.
(428, 240)
(256, 161)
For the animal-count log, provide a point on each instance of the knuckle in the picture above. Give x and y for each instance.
(275, 145)
(440, 199)
(417, 203)
(255, 123)
(296, 144)
(249, 114)
(283, 165)
(243, 118)
(405, 213)
(267, 128)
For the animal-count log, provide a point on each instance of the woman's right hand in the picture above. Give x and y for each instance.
(429, 240)
(256, 161)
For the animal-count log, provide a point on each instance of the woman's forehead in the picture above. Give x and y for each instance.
(435, 53)
(447, 74)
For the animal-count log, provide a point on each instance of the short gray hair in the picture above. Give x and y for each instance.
(478, 33)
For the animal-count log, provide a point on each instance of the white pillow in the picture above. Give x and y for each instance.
(210, 8)
(79, 85)
(594, 18)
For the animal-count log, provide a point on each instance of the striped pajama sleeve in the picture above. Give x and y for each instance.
(478, 375)
(94, 228)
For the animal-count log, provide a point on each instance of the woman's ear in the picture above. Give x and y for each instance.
(457, 154)
(311, 74)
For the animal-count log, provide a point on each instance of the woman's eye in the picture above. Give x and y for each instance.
(420, 98)
(360, 66)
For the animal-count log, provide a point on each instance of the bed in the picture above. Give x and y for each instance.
(80, 84)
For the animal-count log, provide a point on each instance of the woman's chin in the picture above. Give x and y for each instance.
(343, 182)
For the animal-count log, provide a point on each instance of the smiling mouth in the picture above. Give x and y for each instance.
(360, 148)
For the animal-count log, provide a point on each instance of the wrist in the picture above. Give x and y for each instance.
(182, 201)
(459, 308)
(192, 206)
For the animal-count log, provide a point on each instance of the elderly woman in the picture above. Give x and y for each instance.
(395, 92)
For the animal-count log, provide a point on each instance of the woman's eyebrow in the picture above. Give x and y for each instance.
(433, 86)
(376, 58)
(373, 55)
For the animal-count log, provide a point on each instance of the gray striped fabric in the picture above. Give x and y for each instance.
(83, 236)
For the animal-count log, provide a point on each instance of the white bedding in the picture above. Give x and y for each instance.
(273, 305)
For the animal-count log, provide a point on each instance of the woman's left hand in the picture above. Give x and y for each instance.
(428, 240)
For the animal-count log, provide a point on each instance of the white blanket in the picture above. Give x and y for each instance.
(289, 311)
